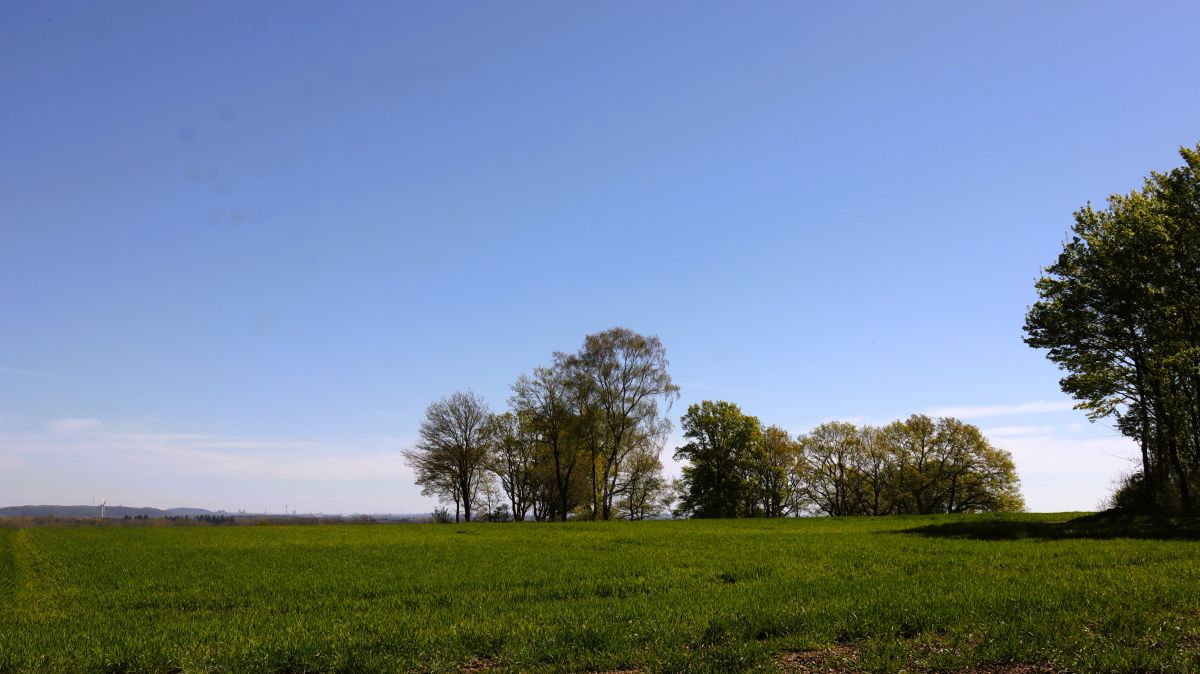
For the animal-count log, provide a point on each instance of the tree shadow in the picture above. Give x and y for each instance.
(1098, 526)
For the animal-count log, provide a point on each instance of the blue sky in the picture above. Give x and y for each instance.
(243, 245)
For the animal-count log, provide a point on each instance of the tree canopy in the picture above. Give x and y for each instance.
(618, 380)
(582, 438)
(737, 468)
(1119, 312)
(724, 447)
(454, 448)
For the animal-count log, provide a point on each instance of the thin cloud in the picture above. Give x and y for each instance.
(983, 411)
(1073, 473)
(169, 437)
(74, 425)
(322, 467)
(1065, 456)
(215, 442)
(856, 419)
(176, 454)
(1006, 431)
(27, 373)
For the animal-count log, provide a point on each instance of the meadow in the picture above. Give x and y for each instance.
(1001, 593)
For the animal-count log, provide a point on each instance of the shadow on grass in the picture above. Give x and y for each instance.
(1098, 526)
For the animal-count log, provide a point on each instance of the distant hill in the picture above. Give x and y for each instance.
(120, 512)
(110, 512)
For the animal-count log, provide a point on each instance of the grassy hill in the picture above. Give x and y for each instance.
(1016, 593)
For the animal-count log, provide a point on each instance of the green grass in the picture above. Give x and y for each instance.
(933, 593)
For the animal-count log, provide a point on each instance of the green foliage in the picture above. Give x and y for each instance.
(919, 466)
(544, 405)
(514, 461)
(594, 424)
(724, 449)
(617, 380)
(828, 470)
(1119, 311)
(938, 466)
(772, 472)
(922, 593)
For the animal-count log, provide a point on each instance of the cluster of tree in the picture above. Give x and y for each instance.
(208, 519)
(216, 519)
(582, 438)
(739, 468)
(1119, 311)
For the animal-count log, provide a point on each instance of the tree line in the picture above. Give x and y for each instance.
(1119, 311)
(583, 436)
(739, 468)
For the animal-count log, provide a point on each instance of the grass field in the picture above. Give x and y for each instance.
(948, 593)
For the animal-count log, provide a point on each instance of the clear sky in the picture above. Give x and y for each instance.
(243, 245)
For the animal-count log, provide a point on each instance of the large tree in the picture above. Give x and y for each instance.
(1119, 312)
(618, 381)
(877, 473)
(828, 468)
(723, 450)
(514, 461)
(947, 466)
(642, 488)
(453, 449)
(543, 404)
(771, 467)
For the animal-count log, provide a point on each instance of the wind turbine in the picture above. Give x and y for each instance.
(103, 505)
